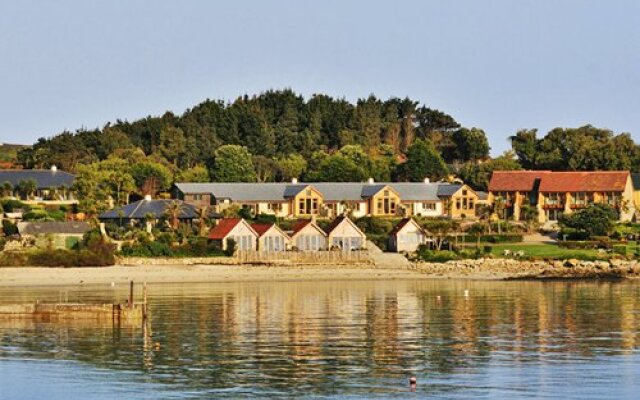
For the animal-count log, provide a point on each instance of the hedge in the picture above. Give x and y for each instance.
(590, 244)
(499, 238)
(57, 258)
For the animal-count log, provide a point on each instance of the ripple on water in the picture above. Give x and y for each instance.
(336, 339)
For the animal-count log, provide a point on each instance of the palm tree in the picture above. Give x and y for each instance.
(499, 208)
(484, 214)
(203, 218)
(172, 212)
(27, 188)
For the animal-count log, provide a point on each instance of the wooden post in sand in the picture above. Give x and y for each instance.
(144, 299)
(130, 302)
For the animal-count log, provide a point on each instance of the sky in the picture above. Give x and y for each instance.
(499, 65)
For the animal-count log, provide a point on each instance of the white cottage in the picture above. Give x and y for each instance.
(271, 237)
(239, 230)
(406, 236)
(308, 236)
(343, 234)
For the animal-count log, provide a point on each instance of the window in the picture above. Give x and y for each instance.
(197, 197)
(553, 199)
(612, 198)
(458, 204)
(464, 192)
(386, 205)
(275, 206)
(308, 206)
(429, 206)
(579, 198)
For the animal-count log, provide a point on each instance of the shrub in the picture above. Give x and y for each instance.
(375, 225)
(502, 238)
(9, 205)
(35, 215)
(58, 258)
(266, 218)
(231, 247)
(622, 250)
(9, 228)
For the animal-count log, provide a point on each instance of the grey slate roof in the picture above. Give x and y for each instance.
(140, 209)
(448, 190)
(482, 195)
(635, 179)
(65, 228)
(44, 178)
(331, 191)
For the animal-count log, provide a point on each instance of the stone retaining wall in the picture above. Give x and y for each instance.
(518, 269)
(133, 261)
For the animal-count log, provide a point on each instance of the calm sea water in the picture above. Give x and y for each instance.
(572, 340)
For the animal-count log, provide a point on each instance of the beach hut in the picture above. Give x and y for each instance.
(271, 237)
(308, 236)
(344, 234)
(237, 229)
(406, 236)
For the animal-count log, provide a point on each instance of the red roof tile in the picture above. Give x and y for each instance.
(333, 225)
(403, 222)
(591, 181)
(299, 225)
(261, 229)
(222, 229)
(512, 181)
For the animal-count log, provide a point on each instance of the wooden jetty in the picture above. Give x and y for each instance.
(129, 313)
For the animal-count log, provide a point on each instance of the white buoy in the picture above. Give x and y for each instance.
(438, 298)
(466, 293)
(113, 284)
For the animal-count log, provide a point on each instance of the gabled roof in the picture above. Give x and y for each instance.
(404, 222)
(302, 223)
(292, 190)
(44, 178)
(515, 181)
(140, 209)
(591, 181)
(225, 226)
(53, 227)
(337, 222)
(261, 229)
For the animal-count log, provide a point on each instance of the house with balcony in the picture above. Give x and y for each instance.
(555, 193)
(334, 199)
(38, 186)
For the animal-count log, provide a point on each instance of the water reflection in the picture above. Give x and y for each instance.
(359, 338)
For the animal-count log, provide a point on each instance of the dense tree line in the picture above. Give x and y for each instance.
(274, 124)
(576, 149)
(279, 135)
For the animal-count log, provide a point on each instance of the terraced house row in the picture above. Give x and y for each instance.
(552, 194)
(331, 199)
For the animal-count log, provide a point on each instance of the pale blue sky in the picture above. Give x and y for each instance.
(499, 65)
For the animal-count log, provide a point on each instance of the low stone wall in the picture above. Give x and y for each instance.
(517, 269)
(133, 261)
(257, 258)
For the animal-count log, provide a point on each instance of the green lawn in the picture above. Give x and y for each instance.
(548, 251)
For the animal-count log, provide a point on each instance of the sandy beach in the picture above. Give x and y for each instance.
(37, 276)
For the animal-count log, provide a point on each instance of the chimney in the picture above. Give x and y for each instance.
(54, 168)
(427, 180)
(147, 197)
(371, 181)
(294, 180)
